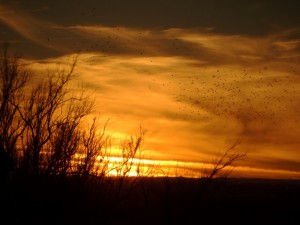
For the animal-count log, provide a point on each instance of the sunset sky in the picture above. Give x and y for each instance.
(196, 75)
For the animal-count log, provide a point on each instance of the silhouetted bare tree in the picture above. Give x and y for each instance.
(223, 161)
(66, 140)
(51, 115)
(13, 80)
(220, 168)
(93, 154)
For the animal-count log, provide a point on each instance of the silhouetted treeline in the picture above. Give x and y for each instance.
(160, 201)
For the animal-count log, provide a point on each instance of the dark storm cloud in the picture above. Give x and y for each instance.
(231, 16)
(81, 34)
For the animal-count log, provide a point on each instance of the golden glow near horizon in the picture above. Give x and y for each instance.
(194, 92)
(161, 168)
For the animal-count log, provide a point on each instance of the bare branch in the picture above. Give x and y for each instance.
(228, 158)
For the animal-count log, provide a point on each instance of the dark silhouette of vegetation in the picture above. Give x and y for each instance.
(56, 164)
(223, 161)
(44, 130)
(13, 80)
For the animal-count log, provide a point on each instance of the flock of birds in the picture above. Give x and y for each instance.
(244, 94)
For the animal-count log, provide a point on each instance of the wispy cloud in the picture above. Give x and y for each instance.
(26, 25)
(201, 45)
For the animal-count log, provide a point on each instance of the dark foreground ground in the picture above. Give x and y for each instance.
(149, 201)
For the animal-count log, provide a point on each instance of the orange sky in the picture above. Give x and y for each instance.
(194, 90)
